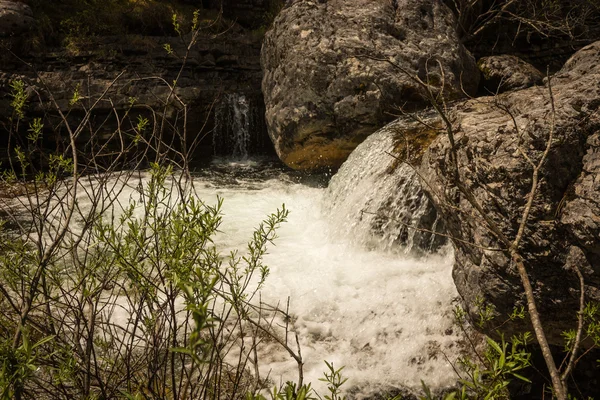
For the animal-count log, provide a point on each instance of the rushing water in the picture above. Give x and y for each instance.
(377, 201)
(232, 119)
(382, 314)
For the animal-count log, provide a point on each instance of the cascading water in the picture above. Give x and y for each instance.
(385, 315)
(238, 131)
(232, 125)
(377, 201)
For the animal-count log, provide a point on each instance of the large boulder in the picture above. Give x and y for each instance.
(496, 139)
(15, 18)
(327, 84)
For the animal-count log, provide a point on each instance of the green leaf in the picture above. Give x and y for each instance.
(450, 396)
(494, 345)
(521, 377)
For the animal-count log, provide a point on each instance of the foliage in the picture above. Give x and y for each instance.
(503, 362)
(19, 97)
(486, 374)
(101, 298)
(334, 381)
(156, 261)
(591, 329)
(19, 365)
(290, 391)
(75, 23)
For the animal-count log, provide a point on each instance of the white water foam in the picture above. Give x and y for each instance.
(376, 201)
(383, 316)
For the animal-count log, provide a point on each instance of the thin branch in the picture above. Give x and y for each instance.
(580, 314)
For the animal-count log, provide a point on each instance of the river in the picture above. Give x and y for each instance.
(383, 313)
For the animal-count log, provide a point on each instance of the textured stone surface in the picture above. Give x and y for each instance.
(506, 72)
(323, 96)
(15, 18)
(216, 67)
(581, 213)
(563, 228)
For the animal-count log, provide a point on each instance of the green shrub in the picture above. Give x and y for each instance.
(106, 298)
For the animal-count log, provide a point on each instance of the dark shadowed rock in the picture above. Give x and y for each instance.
(216, 68)
(15, 18)
(506, 72)
(582, 204)
(323, 93)
(250, 13)
(563, 230)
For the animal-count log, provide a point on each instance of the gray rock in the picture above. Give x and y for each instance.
(563, 229)
(323, 93)
(506, 72)
(581, 213)
(15, 18)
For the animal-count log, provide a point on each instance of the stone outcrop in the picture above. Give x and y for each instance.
(15, 18)
(216, 67)
(327, 84)
(563, 230)
(507, 72)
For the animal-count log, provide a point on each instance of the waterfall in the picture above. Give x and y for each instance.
(386, 317)
(377, 201)
(232, 126)
(239, 127)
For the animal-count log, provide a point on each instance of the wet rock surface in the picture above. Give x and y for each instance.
(327, 80)
(496, 139)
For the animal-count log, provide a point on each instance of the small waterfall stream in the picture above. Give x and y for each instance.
(384, 314)
(239, 130)
(358, 296)
(377, 202)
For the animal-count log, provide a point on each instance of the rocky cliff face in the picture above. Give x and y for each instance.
(217, 67)
(327, 80)
(497, 140)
